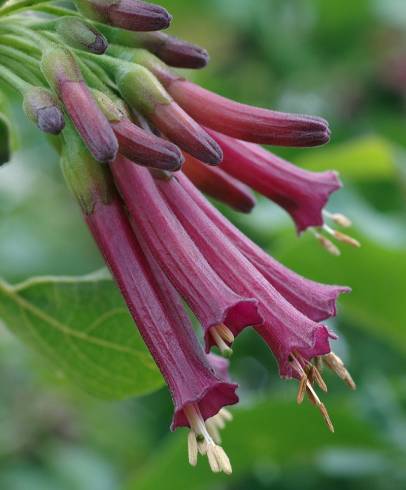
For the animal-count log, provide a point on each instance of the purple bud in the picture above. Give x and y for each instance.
(42, 107)
(63, 74)
(133, 15)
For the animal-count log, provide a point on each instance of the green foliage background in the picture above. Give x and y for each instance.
(340, 59)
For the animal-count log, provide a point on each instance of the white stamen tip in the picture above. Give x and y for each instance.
(192, 448)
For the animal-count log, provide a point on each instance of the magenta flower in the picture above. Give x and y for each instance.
(198, 393)
(222, 313)
(246, 122)
(301, 193)
(284, 328)
(316, 301)
(167, 247)
(216, 183)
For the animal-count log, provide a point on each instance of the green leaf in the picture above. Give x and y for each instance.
(4, 139)
(274, 431)
(368, 159)
(83, 326)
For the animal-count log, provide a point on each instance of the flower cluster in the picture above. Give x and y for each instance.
(138, 144)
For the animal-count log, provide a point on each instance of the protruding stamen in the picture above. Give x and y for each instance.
(334, 363)
(219, 334)
(342, 237)
(223, 460)
(312, 395)
(226, 415)
(326, 417)
(200, 440)
(319, 379)
(192, 448)
(302, 389)
(213, 430)
(338, 218)
(327, 244)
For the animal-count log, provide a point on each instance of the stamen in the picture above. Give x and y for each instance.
(312, 395)
(226, 415)
(192, 448)
(213, 430)
(326, 244)
(334, 363)
(319, 378)
(200, 440)
(217, 334)
(302, 389)
(338, 218)
(226, 333)
(342, 237)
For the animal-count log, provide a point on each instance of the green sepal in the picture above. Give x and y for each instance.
(89, 181)
(140, 88)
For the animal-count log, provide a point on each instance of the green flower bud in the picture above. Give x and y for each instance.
(81, 34)
(42, 108)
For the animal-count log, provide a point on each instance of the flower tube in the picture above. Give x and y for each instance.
(222, 313)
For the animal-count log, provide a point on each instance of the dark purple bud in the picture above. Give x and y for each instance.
(133, 15)
(42, 108)
(173, 51)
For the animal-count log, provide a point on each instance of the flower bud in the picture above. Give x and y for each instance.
(62, 73)
(142, 91)
(133, 15)
(81, 34)
(139, 146)
(42, 108)
(171, 50)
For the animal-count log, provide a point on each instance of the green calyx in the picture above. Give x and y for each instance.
(112, 112)
(144, 58)
(58, 65)
(95, 9)
(88, 180)
(140, 88)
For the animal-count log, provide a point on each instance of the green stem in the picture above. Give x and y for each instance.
(20, 56)
(54, 10)
(18, 43)
(22, 71)
(13, 80)
(109, 64)
(18, 5)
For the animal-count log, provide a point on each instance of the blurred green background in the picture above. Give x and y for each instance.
(342, 60)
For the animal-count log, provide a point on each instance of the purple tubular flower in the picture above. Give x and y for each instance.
(301, 193)
(175, 52)
(316, 301)
(180, 128)
(145, 148)
(159, 314)
(215, 305)
(218, 184)
(284, 329)
(133, 15)
(63, 74)
(245, 122)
